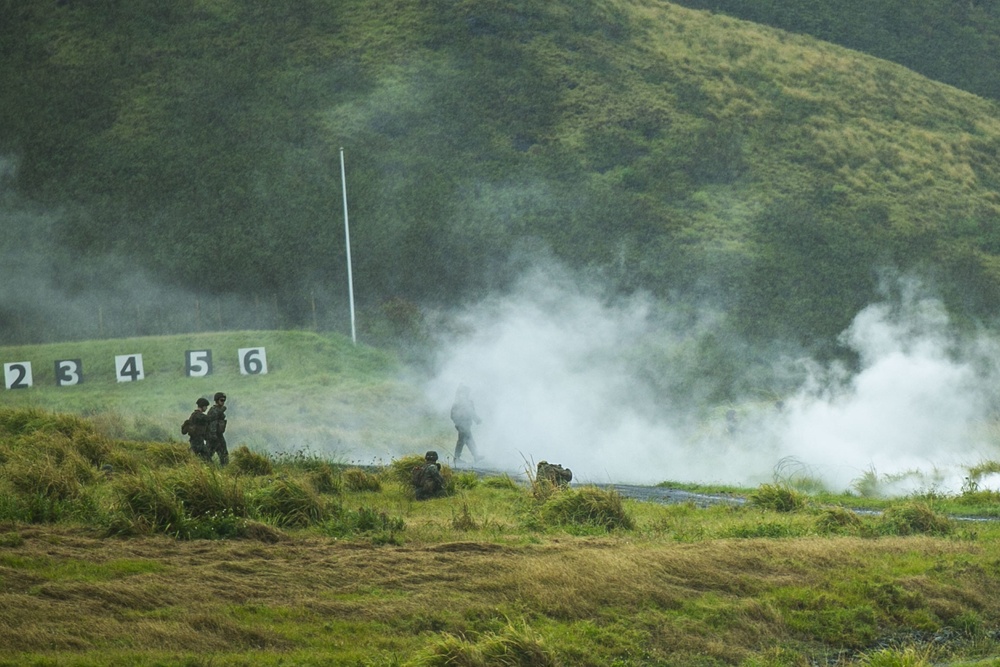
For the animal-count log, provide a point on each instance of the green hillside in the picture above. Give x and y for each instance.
(661, 149)
(320, 395)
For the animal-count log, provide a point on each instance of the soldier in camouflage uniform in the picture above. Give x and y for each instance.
(553, 473)
(216, 438)
(463, 414)
(196, 428)
(427, 479)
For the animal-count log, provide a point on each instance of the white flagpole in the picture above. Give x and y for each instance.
(347, 238)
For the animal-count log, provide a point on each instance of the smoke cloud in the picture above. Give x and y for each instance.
(557, 374)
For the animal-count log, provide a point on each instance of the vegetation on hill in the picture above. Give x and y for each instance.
(685, 154)
(957, 43)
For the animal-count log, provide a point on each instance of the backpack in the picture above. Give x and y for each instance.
(186, 427)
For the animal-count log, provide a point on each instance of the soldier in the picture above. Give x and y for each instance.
(553, 473)
(427, 479)
(463, 414)
(196, 428)
(216, 438)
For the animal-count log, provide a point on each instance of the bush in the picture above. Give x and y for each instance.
(145, 503)
(206, 492)
(251, 463)
(501, 482)
(915, 518)
(289, 504)
(463, 521)
(401, 470)
(48, 477)
(838, 520)
(364, 521)
(168, 454)
(587, 506)
(511, 647)
(356, 479)
(325, 480)
(777, 497)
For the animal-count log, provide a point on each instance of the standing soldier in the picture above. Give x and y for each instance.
(217, 430)
(196, 428)
(463, 414)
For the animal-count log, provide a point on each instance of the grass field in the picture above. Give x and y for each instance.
(291, 556)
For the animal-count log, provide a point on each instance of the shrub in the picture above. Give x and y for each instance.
(897, 657)
(206, 492)
(145, 503)
(587, 506)
(463, 521)
(502, 482)
(168, 454)
(48, 478)
(914, 518)
(401, 470)
(325, 480)
(247, 462)
(511, 647)
(838, 520)
(93, 448)
(290, 504)
(364, 520)
(777, 497)
(356, 479)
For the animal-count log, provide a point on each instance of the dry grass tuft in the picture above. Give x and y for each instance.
(777, 497)
(915, 518)
(247, 462)
(356, 479)
(587, 506)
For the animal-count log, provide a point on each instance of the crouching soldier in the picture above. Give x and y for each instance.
(553, 473)
(427, 479)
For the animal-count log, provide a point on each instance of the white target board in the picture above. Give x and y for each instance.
(253, 361)
(128, 367)
(69, 372)
(17, 374)
(198, 363)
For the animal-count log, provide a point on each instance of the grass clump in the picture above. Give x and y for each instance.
(837, 520)
(247, 462)
(914, 518)
(205, 491)
(378, 524)
(145, 504)
(587, 506)
(500, 482)
(777, 497)
(290, 504)
(325, 479)
(513, 646)
(356, 479)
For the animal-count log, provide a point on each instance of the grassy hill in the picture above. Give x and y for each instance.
(662, 149)
(320, 395)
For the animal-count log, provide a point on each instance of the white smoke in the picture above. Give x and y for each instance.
(552, 381)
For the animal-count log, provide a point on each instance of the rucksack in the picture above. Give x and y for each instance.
(186, 427)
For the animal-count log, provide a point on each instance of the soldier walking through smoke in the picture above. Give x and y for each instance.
(463, 414)
(216, 438)
(195, 428)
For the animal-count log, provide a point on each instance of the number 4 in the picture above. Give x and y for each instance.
(128, 367)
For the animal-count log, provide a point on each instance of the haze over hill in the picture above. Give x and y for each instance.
(638, 214)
